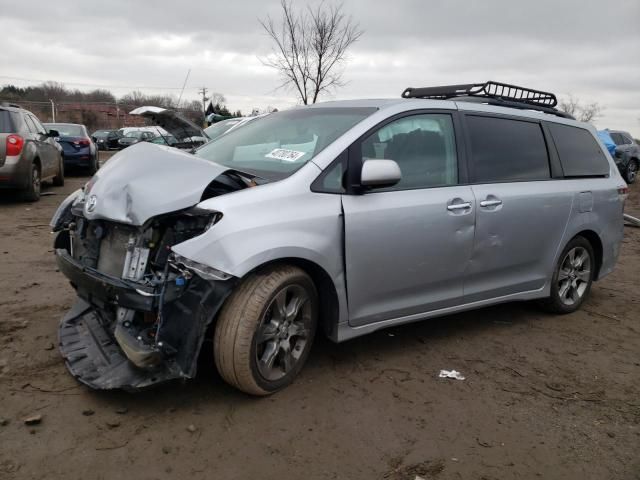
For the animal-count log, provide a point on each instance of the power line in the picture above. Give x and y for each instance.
(97, 85)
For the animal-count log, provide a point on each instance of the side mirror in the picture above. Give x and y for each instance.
(380, 173)
(53, 133)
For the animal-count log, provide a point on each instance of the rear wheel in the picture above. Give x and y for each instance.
(265, 330)
(93, 164)
(58, 180)
(32, 192)
(572, 278)
(631, 172)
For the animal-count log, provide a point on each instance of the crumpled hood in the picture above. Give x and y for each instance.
(146, 180)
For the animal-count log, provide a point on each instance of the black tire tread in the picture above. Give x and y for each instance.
(235, 328)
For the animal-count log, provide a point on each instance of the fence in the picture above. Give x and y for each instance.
(94, 115)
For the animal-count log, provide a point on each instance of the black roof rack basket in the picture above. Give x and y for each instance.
(493, 93)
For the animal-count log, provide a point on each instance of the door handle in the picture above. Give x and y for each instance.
(459, 206)
(490, 203)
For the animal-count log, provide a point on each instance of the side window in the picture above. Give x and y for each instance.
(423, 146)
(580, 154)
(617, 138)
(332, 180)
(505, 150)
(30, 125)
(38, 125)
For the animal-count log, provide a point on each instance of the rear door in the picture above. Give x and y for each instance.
(47, 151)
(407, 246)
(521, 210)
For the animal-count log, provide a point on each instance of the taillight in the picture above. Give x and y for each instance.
(623, 192)
(14, 145)
(82, 141)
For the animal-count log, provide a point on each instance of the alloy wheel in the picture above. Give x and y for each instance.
(632, 171)
(35, 179)
(574, 275)
(283, 333)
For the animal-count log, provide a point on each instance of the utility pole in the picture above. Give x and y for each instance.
(53, 111)
(203, 91)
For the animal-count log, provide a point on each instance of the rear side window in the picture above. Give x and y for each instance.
(6, 125)
(505, 150)
(617, 138)
(30, 125)
(580, 154)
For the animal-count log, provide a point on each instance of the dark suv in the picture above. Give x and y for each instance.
(28, 153)
(627, 155)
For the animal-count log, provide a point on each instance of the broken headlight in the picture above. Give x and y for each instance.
(204, 271)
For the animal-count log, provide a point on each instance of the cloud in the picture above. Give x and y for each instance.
(586, 48)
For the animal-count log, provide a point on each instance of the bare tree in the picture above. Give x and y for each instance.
(310, 48)
(583, 112)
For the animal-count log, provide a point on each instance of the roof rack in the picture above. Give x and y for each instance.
(492, 93)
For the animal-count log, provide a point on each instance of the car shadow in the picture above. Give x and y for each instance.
(209, 388)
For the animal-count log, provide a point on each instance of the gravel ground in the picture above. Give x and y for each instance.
(544, 396)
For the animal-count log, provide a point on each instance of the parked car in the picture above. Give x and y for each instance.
(168, 139)
(29, 154)
(135, 136)
(78, 150)
(627, 154)
(106, 139)
(343, 218)
(188, 135)
(218, 129)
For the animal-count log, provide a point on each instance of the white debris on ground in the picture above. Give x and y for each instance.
(451, 374)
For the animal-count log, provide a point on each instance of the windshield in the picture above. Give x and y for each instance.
(101, 133)
(134, 134)
(281, 143)
(66, 130)
(214, 131)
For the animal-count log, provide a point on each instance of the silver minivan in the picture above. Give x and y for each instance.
(340, 218)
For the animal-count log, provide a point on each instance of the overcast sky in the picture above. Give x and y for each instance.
(588, 48)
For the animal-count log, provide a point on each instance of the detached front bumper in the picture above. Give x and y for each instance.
(99, 289)
(98, 349)
(94, 358)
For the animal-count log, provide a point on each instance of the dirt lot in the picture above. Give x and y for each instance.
(544, 396)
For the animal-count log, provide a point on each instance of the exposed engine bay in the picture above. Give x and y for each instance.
(142, 311)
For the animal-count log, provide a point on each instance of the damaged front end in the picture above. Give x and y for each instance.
(142, 312)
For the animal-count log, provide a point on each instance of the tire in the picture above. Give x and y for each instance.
(58, 180)
(568, 297)
(256, 348)
(631, 172)
(93, 165)
(32, 192)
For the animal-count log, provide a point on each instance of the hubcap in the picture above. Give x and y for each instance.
(574, 275)
(36, 180)
(631, 171)
(283, 333)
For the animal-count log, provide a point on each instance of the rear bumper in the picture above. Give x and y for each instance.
(15, 173)
(80, 158)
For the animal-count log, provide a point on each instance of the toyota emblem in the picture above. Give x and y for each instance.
(91, 204)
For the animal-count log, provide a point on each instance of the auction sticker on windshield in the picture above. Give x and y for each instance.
(284, 154)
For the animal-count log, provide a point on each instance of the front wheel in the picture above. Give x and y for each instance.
(631, 172)
(572, 278)
(265, 330)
